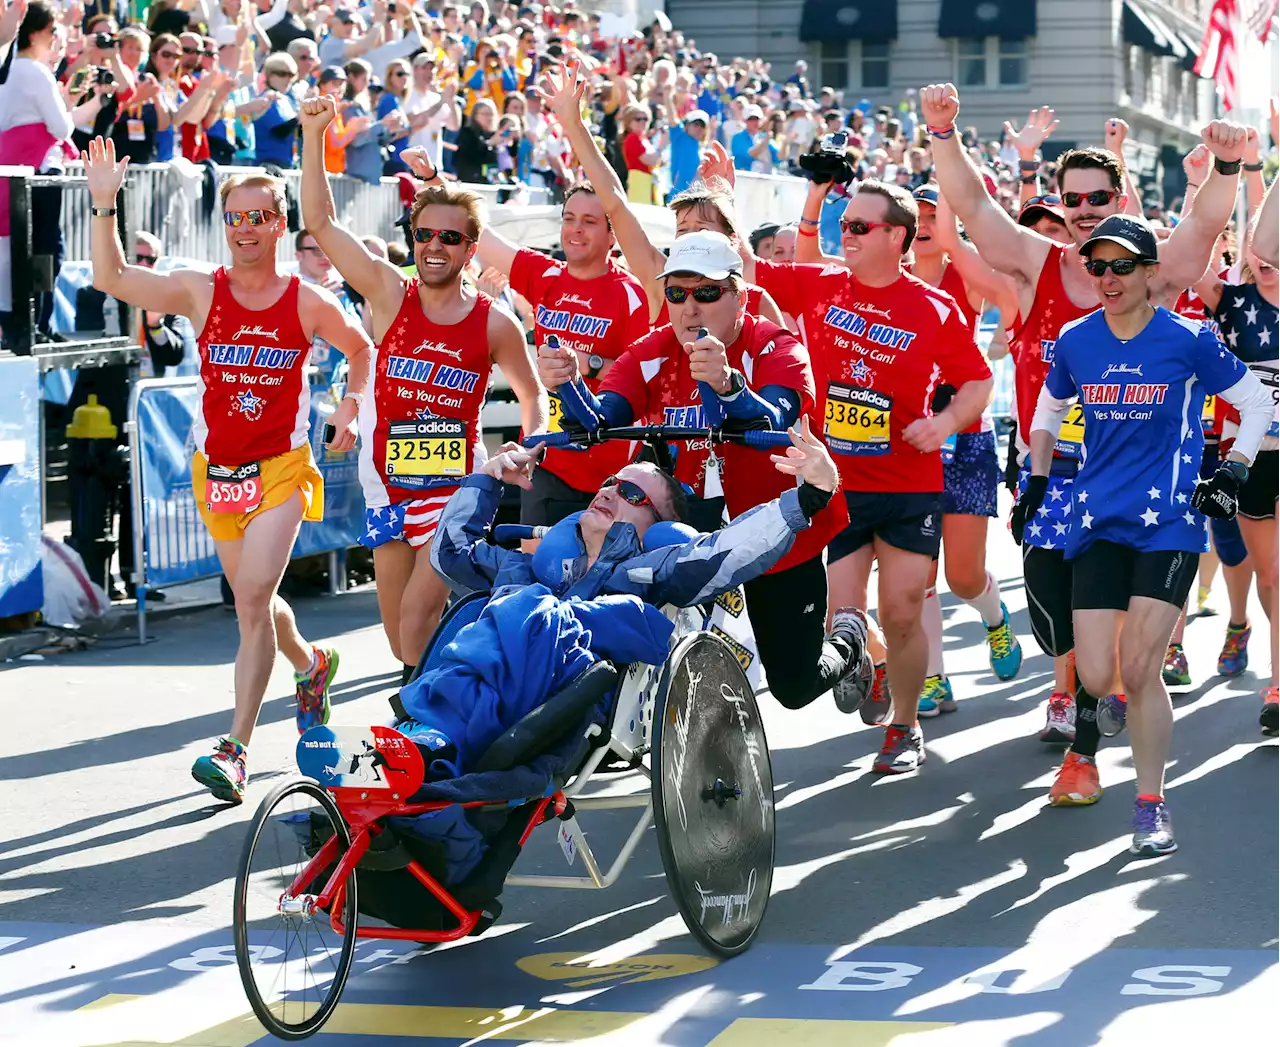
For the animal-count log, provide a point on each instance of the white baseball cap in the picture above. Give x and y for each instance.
(704, 253)
(753, 112)
(697, 115)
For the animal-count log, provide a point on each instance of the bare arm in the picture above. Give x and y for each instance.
(374, 278)
(1184, 256)
(494, 248)
(322, 316)
(1266, 229)
(1013, 250)
(1114, 134)
(193, 110)
(510, 352)
(982, 282)
(770, 311)
(808, 244)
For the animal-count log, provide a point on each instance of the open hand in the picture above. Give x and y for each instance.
(716, 164)
(104, 175)
(1039, 126)
(561, 91)
(513, 464)
(808, 458)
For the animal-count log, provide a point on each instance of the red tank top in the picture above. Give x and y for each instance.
(421, 427)
(953, 284)
(1032, 343)
(254, 401)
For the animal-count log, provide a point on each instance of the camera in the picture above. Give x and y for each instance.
(103, 41)
(830, 162)
(102, 75)
(391, 8)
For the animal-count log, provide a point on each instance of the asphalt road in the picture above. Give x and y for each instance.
(947, 907)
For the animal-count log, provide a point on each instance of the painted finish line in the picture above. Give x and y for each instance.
(512, 989)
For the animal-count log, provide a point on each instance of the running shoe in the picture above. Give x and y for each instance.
(1234, 658)
(1267, 719)
(937, 697)
(903, 751)
(1077, 782)
(855, 683)
(1112, 712)
(1060, 720)
(1003, 649)
(223, 773)
(1175, 671)
(1152, 829)
(313, 690)
(1202, 602)
(875, 710)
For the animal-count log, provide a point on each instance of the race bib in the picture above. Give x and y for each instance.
(137, 130)
(1207, 413)
(233, 490)
(1071, 435)
(857, 420)
(555, 422)
(428, 450)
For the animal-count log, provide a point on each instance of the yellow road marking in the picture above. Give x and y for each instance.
(817, 1032)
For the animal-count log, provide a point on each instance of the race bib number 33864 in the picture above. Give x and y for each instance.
(857, 420)
(419, 452)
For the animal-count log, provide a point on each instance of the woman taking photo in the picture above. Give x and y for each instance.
(364, 151)
(395, 92)
(641, 158)
(476, 158)
(275, 129)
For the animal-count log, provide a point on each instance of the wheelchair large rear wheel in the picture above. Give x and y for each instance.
(713, 794)
(293, 963)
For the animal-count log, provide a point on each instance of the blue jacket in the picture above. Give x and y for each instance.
(526, 645)
(682, 575)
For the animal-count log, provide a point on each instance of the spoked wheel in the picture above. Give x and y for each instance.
(293, 964)
(713, 794)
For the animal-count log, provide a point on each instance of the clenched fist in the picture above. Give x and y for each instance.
(1226, 140)
(316, 114)
(939, 105)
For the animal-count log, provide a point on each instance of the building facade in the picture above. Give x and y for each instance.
(1089, 59)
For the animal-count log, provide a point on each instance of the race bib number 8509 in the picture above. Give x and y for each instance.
(235, 489)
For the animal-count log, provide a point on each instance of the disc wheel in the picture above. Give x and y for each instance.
(712, 790)
(293, 964)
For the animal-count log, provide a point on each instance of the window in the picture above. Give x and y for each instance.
(853, 65)
(1148, 78)
(1131, 72)
(875, 64)
(833, 62)
(990, 62)
(1013, 63)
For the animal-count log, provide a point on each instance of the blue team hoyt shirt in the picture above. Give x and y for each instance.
(1142, 436)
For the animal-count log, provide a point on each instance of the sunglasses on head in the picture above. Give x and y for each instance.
(448, 237)
(255, 217)
(706, 293)
(144, 259)
(1119, 266)
(1047, 198)
(631, 493)
(857, 227)
(1098, 198)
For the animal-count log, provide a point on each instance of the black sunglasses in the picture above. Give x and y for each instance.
(145, 259)
(448, 237)
(706, 294)
(1119, 266)
(631, 493)
(1098, 198)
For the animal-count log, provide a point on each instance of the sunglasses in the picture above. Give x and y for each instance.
(145, 259)
(167, 54)
(1047, 198)
(256, 217)
(1119, 266)
(192, 51)
(706, 294)
(857, 227)
(1098, 198)
(399, 72)
(631, 493)
(448, 237)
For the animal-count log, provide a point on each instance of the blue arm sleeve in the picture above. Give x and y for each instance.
(611, 408)
(459, 553)
(778, 405)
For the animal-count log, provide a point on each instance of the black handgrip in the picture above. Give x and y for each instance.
(504, 534)
(329, 433)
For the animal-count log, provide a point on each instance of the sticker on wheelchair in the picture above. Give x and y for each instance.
(949, 449)
(568, 846)
(713, 794)
(366, 758)
(728, 621)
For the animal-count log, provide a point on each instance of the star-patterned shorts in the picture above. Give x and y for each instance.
(413, 522)
(1049, 528)
(972, 478)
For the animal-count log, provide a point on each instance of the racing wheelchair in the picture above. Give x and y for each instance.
(340, 842)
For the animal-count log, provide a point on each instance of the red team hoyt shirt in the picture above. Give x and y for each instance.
(429, 382)
(601, 316)
(653, 376)
(253, 398)
(878, 354)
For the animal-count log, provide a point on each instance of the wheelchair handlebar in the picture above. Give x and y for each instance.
(509, 534)
(758, 439)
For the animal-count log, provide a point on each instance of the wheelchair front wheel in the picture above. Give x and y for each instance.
(712, 792)
(293, 963)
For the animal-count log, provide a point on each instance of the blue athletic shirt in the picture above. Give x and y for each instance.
(1143, 441)
(1251, 329)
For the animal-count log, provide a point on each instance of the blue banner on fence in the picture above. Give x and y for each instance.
(21, 585)
(177, 548)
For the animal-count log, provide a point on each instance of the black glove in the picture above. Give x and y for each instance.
(1218, 496)
(1026, 506)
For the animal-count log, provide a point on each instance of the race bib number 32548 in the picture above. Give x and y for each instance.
(857, 420)
(419, 453)
(233, 489)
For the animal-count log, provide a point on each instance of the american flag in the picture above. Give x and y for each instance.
(1219, 51)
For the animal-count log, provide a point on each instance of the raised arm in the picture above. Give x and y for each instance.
(1184, 256)
(1028, 141)
(1266, 229)
(808, 242)
(509, 350)
(1114, 132)
(374, 278)
(139, 286)
(983, 283)
(562, 93)
(1013, 250)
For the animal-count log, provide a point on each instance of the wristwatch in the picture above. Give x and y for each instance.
(1226, 167)
(102, 212)
(736, 384)
(595, 364)
(1237, 469)
(357, 397)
